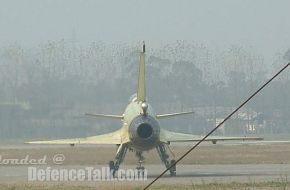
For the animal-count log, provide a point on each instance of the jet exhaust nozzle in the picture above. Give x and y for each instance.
(144, 132)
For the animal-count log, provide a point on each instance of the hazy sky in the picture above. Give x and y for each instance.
(263, 24)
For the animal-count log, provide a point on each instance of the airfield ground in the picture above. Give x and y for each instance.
(221, 166)
(207, 153)
(211, 186)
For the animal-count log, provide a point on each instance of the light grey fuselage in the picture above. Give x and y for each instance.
(143, 128)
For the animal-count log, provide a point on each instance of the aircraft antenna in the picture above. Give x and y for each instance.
(143, 47)
(213, 130)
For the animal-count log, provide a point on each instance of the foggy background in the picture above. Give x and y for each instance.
(60, 59)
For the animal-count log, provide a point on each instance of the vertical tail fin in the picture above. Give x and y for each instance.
(141, 93)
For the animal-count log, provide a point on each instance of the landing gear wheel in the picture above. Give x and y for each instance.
(112, 168)
(111, 165)
(140, 170)
(172, 173)
(173, 169)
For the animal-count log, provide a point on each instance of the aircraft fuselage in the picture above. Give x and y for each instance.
(143, 129)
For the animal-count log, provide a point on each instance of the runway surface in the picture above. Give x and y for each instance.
(222, 163)
(185, 173)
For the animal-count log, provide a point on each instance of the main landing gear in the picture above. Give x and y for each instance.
(161, 149)
(120, 155)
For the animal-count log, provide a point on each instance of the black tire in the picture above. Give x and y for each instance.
(171, 163)
(172, 173)
(112, 165)
(112, 168)
(140, 171)
(173, 169)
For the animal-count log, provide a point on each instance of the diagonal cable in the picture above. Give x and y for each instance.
(213, 130)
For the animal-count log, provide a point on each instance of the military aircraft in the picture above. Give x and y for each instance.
(141, 130)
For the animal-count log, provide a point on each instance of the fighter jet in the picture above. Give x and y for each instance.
(141, 130)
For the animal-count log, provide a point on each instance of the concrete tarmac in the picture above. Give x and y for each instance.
(186, 174)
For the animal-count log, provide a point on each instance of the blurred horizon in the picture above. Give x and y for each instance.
(59, 59)
(46, 90)
(262, 24)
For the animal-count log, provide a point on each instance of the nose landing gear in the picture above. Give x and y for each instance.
(140, 168)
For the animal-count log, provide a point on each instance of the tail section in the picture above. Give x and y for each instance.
(141, 92)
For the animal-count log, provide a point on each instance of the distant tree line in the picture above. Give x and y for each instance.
(45, 90)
